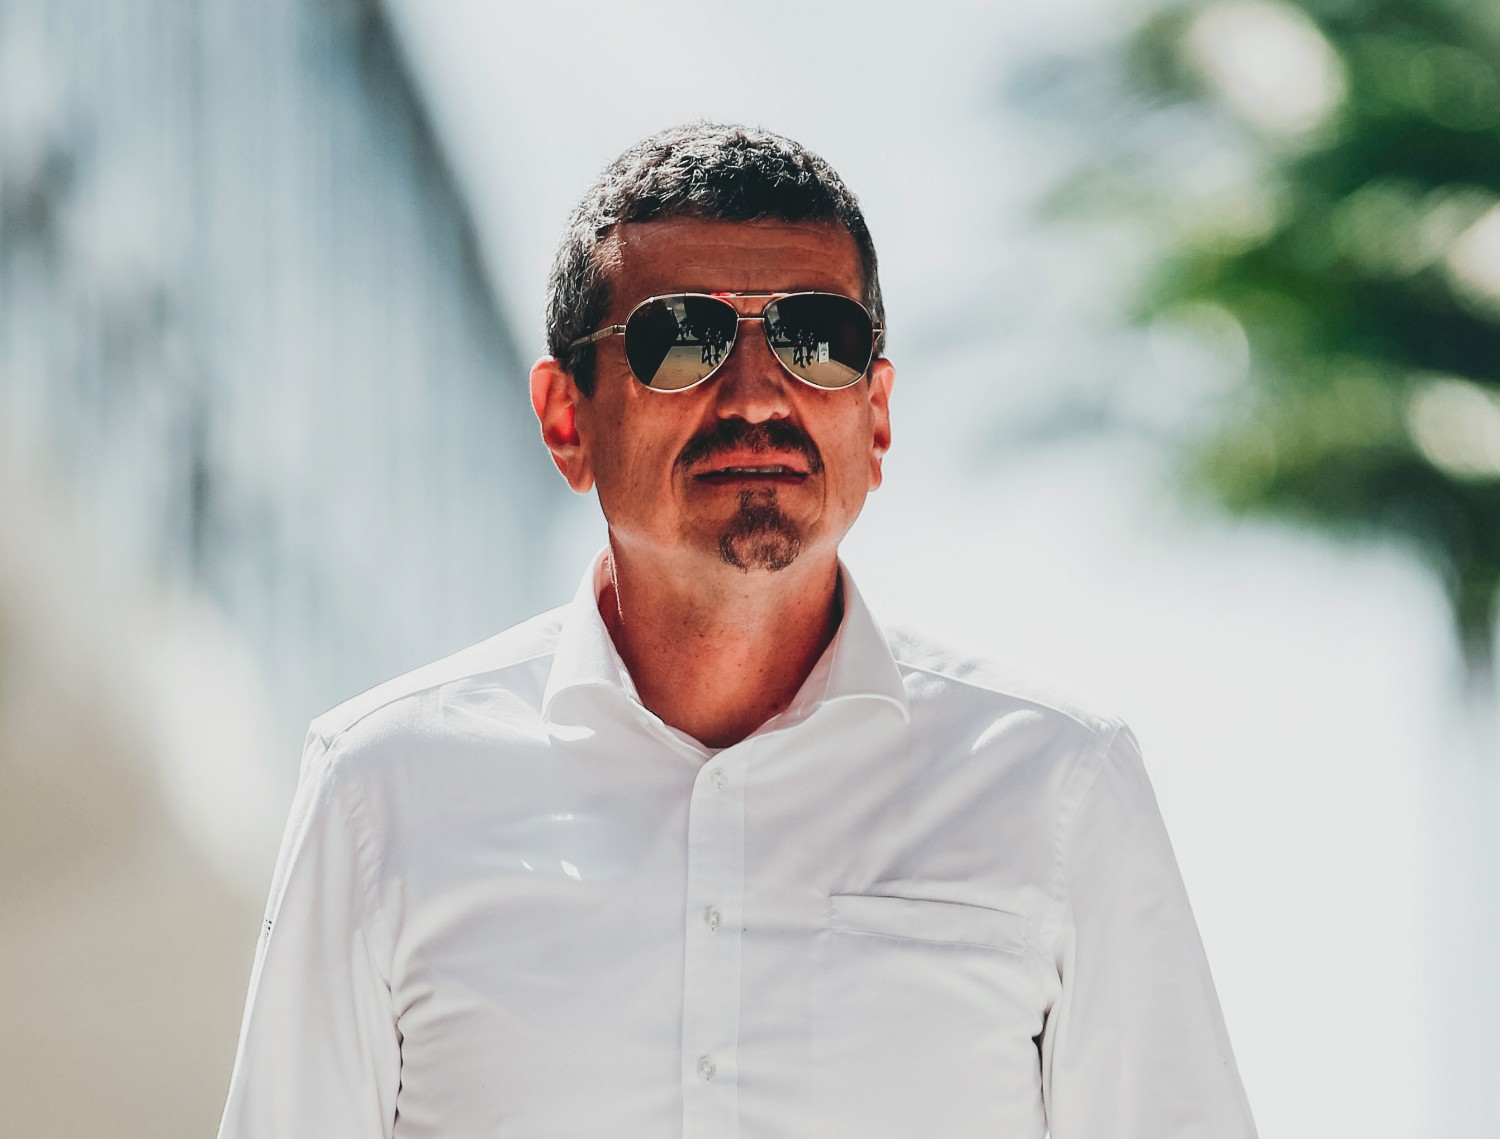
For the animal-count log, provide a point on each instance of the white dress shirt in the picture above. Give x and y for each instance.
(926, 901)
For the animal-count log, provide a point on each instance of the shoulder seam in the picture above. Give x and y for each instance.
(330, 778)
(1088, 720)
(371, 915)
(329, 740)
(1087, 770)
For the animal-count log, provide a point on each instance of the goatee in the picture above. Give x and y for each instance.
(760, 536)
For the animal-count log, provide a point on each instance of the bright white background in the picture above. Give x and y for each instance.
(1291, 696)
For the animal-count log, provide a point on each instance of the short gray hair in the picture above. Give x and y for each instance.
(714, 171)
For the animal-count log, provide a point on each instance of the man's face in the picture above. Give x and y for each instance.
(752, 467)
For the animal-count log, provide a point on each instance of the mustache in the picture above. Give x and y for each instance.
(728, 435)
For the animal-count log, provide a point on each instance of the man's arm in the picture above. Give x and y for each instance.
(1135, 1047)
(319, 1055)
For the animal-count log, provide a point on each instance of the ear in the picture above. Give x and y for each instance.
(882, 376)
(555, 398)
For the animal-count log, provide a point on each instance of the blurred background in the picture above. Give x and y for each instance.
(1195, 310)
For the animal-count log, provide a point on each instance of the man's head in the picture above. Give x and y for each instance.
(711, 171)
(753, 467)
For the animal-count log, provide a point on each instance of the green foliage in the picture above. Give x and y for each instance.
(1359, 252)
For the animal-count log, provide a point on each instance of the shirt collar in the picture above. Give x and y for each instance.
(857, 664)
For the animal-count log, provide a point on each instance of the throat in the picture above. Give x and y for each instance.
(719, 673)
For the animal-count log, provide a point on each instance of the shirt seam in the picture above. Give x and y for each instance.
(370, 914)
(1081, 718)
(1019, 951)
(329, 740)
(1088, 772)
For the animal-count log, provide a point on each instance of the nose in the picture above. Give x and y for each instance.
(752, 385)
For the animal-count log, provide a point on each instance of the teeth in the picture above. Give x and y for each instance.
(754, 470)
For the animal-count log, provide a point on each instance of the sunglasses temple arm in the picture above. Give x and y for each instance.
(593, 337)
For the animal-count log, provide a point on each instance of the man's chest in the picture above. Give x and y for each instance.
(772, 940)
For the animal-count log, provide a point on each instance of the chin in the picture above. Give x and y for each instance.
(770, 553)
(760, 536)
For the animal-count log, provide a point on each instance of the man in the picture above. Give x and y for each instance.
(705, 853)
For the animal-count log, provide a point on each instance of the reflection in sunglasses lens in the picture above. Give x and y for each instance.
(674, 342)
(823, 338)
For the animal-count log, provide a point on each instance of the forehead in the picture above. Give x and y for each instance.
(644, 259)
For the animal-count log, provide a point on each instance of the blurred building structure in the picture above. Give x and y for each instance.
(243, 310)
(264, 441)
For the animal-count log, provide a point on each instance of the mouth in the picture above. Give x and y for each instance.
(759, 473)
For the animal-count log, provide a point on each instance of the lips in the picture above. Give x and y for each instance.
(767, 470)
(760, 472)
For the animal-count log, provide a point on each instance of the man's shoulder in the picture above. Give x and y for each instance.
(501, 659)
(942, 673)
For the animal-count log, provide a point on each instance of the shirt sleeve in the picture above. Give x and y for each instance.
(319, 1053)
(1135, 1045)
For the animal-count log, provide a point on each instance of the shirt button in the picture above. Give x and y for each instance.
(707, 1067)
(719, 778)
(711, 918)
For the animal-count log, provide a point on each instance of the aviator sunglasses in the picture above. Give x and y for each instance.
(676, 341)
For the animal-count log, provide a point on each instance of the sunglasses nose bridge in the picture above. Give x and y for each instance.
(749, 385)
(737, 344)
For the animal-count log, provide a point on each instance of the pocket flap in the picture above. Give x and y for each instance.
(927, 919)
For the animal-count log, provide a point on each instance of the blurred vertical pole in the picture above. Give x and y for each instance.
(1465, 919)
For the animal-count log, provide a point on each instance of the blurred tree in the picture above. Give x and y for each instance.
(1313, 190)
(1318, 188)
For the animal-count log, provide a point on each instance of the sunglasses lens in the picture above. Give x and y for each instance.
(824, 338)
(674, 342)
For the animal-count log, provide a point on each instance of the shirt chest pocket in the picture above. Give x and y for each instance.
(927, 920)
(923, 1011)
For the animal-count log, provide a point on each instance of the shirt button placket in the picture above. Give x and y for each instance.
(711, 976)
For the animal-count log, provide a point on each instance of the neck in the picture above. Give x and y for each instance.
(716, 656)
